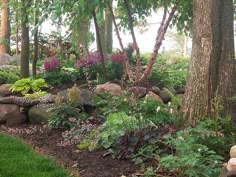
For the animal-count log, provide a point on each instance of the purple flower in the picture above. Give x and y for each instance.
(51, 65)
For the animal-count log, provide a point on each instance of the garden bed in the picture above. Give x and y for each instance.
(88, 163)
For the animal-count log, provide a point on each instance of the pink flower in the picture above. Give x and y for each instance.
(51, 65)
(117, 58)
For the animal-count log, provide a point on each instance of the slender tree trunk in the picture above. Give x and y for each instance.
(108, 31)
(36, 40)
(159, 38)
(212, 64)
(5, 28)
(127, 65)
(17, 33)
(24, 40)
(100, 46)
(131, 26)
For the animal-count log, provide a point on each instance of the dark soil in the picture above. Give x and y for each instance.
(88, 163)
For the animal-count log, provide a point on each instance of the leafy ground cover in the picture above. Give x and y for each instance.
(18, 160)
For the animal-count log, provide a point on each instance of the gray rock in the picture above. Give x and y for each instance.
(155, 90)
(49, 98)
(24, 102)
(11, 115)
(166, 95)
(172, 90)
(39, 113)
(85, 98)
(138, 91)
(5, 90)
(15, 59)
(6, 100)
(4, 59)
(180, 91)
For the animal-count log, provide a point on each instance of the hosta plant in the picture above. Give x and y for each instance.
(28, 85)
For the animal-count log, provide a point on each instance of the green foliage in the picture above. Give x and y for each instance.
(60, 114)
(170, 71)
(36, 95)
(152, 110)
(115, 127)
(191, 158)
(60, 77)
(28, 85)
(9, 76)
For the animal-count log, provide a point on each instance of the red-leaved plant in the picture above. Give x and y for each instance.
(51, 64)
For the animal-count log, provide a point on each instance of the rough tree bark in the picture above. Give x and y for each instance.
(212, 64)
(5, 28)
(108, 31)
(24, 69)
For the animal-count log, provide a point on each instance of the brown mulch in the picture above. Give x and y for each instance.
(88, 163)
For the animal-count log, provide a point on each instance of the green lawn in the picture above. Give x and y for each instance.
(19, 160)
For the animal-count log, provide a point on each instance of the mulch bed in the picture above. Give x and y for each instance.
(88, 163)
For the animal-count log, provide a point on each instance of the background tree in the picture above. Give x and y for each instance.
(212, 67)
(24, 71)
(5, 28)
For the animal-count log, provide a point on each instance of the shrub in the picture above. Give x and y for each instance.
(9, 76)
(115, 127)
(59, 77)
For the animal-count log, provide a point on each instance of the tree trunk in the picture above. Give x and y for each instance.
(108, 31)
(209, 51)
(227, 63)
(79, 38)
(36, 40)
(24, 71)
(5, 28)
(100, 46)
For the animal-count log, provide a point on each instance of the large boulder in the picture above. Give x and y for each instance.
(15, 59)
(5, 59)
(155, 90)
(85, 98)
(11, 115)
(166, 95)
(110, 88)
(153, 96)
(5, 90)
(138, 91)
(39, 113)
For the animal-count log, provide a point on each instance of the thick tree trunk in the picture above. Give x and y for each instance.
(5, 28)
(227, 63)
(24, 71)
(208, 54)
